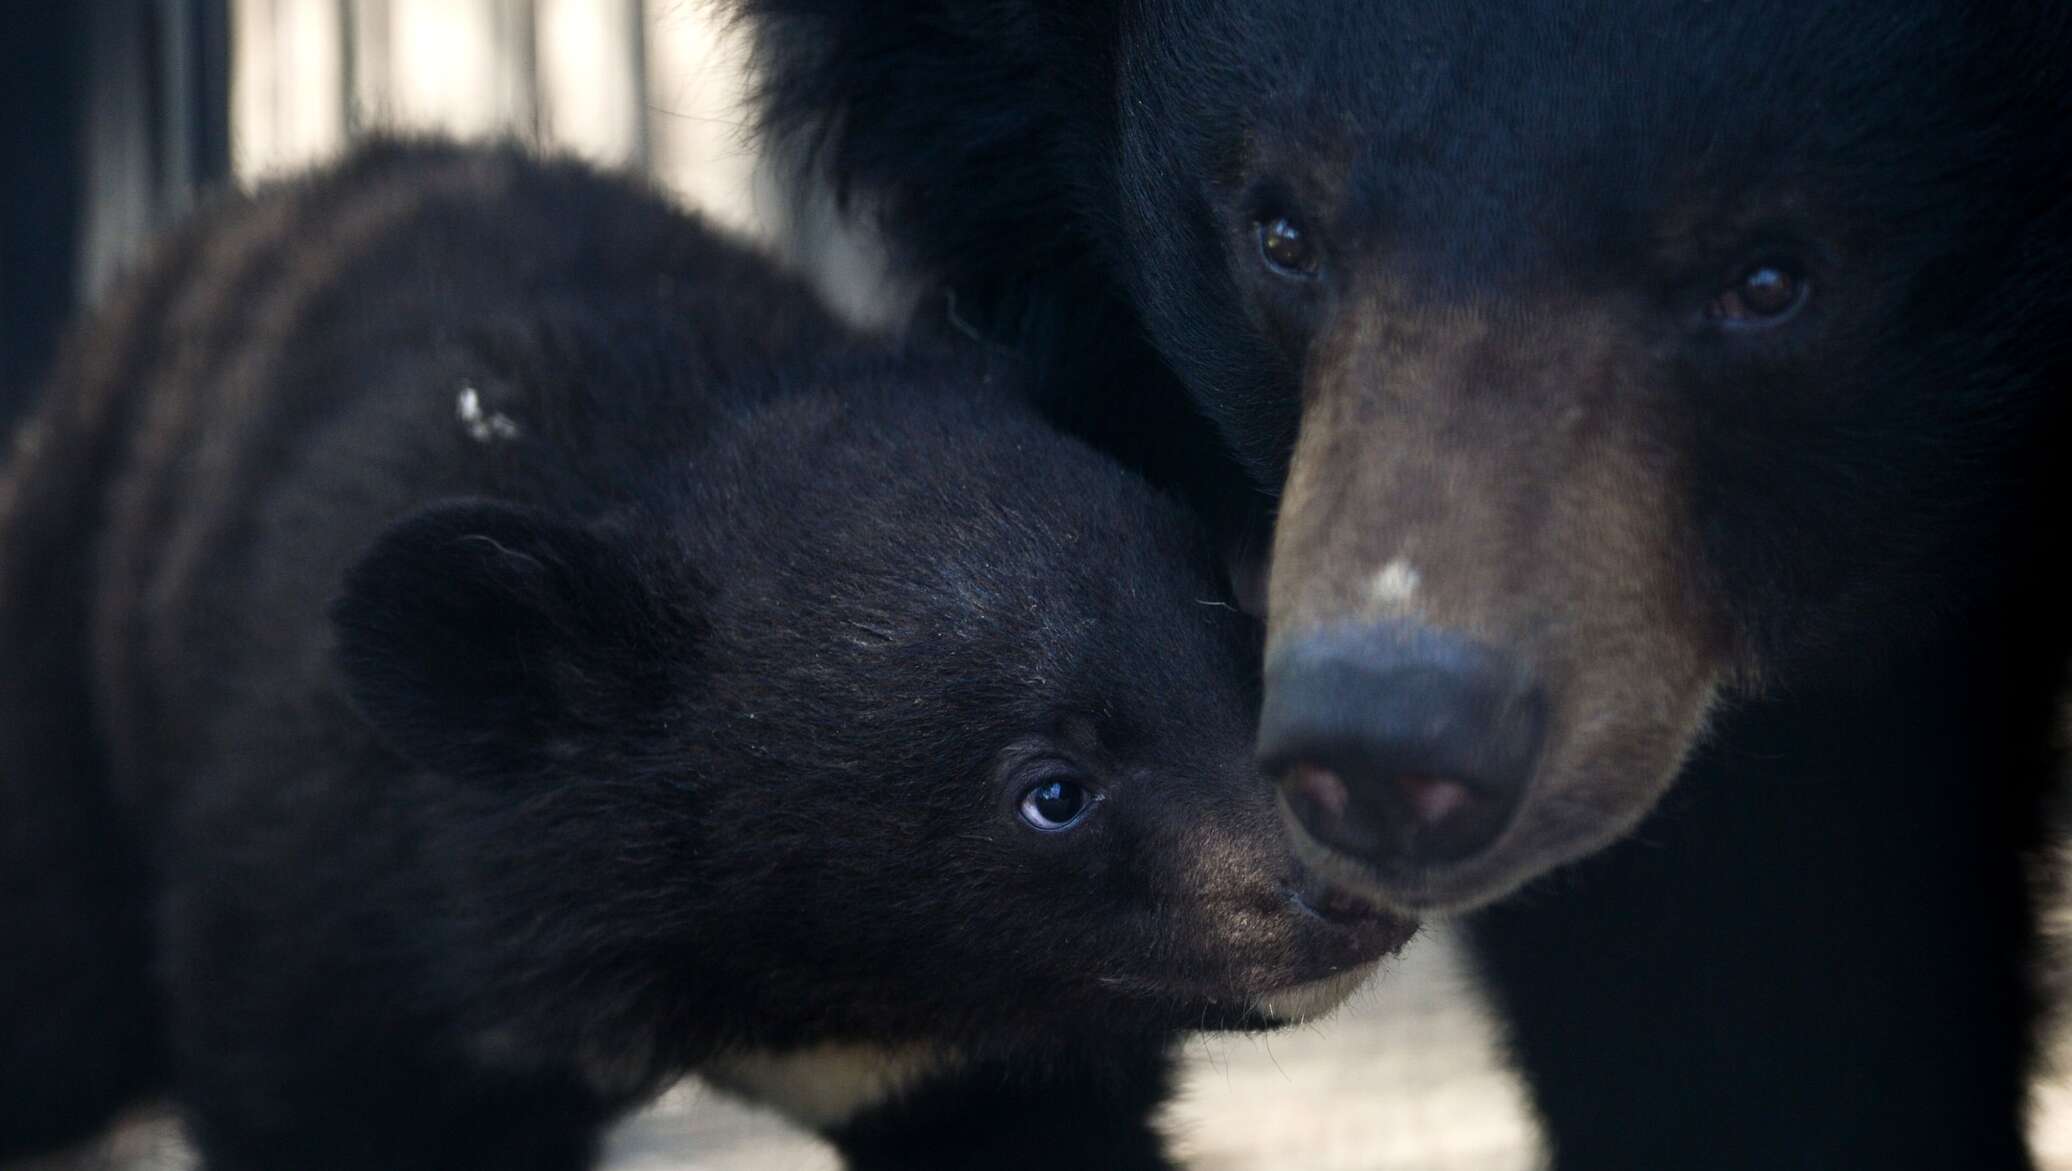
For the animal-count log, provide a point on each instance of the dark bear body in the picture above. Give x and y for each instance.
(1640, 393)
(493, 647)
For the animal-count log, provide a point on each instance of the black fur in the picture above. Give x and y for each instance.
(1815, 953)
(482, 646)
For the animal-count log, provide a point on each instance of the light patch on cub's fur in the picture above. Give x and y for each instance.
(827, 1085)
(1307, 1002)
(482, 426)
(1394, 586)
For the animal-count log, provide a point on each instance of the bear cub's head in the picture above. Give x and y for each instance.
(893, 716)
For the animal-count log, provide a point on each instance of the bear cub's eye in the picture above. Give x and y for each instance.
(1286, 248)
(1055, 804)
(1765, 295)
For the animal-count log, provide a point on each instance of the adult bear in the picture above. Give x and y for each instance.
(1643, 392)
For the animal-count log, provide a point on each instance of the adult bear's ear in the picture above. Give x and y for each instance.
(954, 121)
(485, 640)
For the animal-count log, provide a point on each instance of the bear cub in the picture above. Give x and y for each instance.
(536, 653)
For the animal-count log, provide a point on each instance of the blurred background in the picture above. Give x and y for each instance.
(120, 114)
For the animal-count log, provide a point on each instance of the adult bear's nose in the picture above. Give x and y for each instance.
(1398, 744)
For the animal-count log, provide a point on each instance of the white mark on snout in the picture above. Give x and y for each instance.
(1394, 585)
(482, 426)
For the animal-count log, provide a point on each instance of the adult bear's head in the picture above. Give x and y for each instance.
(1607, 358)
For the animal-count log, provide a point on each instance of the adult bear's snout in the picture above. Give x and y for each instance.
(1399, 744)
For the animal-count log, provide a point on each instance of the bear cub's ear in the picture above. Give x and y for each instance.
(490, 641)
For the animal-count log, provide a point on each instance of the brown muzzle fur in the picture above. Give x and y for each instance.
(1489, 650)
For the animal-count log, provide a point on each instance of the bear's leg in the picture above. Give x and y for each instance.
(79, 1035)
(375, 1119)
(78, 1031)
(315, 1024)
(1814, 956)
(1092, 1110)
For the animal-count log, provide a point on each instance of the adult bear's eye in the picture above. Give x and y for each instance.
(1287, 248)
(1766, 294)
(1056, 804)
